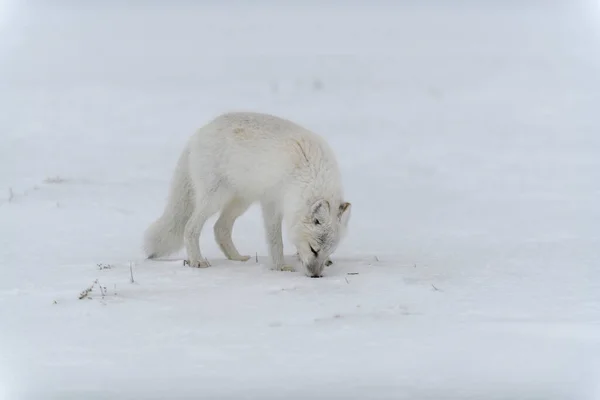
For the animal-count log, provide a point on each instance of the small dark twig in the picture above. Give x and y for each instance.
(352, 273)
(434, 288)
(102, 289)
(376, 258)
(347, 280)
(131, 273)
(257, 257)
(85, 293)
(54, 179)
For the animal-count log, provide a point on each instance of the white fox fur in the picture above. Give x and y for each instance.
(238, 159)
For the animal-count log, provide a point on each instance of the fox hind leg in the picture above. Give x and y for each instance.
(208, 203)
(224, 227)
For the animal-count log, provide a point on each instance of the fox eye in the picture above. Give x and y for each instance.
(317, 222)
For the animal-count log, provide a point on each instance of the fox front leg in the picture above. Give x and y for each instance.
(273, 218)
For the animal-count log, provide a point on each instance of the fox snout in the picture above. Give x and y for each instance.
(314, 268)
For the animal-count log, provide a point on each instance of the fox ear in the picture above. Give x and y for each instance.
(344, 213)
(320, 208)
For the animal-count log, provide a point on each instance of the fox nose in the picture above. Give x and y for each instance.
(314, 269)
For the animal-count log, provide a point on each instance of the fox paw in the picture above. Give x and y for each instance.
(328, 262)
(197, 264)
(285, 267)
(240, 258)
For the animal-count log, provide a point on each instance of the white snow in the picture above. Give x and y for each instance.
(468, 135)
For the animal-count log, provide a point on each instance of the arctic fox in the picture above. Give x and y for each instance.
(240, 158)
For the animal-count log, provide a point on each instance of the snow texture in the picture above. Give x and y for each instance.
(468, 137)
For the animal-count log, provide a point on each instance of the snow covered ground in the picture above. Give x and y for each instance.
(468, 135)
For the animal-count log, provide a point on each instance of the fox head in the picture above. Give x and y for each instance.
(318, 233)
